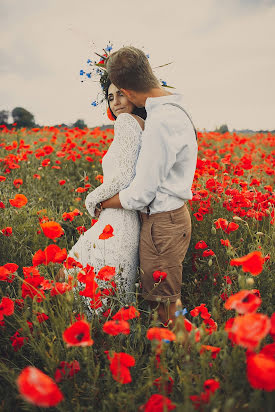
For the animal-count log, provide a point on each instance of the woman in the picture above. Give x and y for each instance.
(121, 250)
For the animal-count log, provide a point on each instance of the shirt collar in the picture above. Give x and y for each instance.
(152, 102)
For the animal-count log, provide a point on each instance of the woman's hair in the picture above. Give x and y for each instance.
(105, 84)
(129, 68)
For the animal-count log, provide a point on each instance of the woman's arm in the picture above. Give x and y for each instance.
(127, 137)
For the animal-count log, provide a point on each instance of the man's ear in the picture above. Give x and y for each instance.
(128, 93)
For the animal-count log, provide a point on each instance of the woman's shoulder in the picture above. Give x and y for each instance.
(129, 119)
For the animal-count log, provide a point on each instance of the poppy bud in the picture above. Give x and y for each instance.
(213, 230)
(210, 262)
(250, 281)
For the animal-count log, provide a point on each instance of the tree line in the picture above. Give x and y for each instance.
(23, 118)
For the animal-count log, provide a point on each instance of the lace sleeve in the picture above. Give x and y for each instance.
(127, 137)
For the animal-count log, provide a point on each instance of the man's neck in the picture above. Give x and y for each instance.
(156, 92)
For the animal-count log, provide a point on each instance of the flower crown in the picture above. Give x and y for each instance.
(97, 71)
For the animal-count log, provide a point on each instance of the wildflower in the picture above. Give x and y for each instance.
(126, 313)
(119, 366)
(17, 183)
(201, 245)
(260, 368)
(52, 230)
(107, 232)
(106, 273)
(211, 385)
(18, 201)
(225, 242)
(2, 206)
(62, 182)
(213, 349)
(252, 263)
(78, 334)
(66, 370)
(221, 223)
(160, 334)
(2, 178)
(158, 403)
(38, 388)
(248, 330)
(81, 229)
(7, 231)
(6, 307)
(115, 327)
(198, 216)
(159, 276)
(41, 317)
(166, 383)
(208, 252)
(71, 263)
(232, 226)
(243, 302)
(6, 272)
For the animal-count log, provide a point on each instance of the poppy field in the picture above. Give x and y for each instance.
(55, 354)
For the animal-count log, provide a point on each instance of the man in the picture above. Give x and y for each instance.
(164, 175)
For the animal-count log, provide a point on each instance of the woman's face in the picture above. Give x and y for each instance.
(118, 102)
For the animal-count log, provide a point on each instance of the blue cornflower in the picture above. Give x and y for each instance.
(81, 72)
(166, 340)
(181, 312)
(164, 83)
(108, 48)
(94, 103)
(148, 56)
(89, 61)
(89, 75)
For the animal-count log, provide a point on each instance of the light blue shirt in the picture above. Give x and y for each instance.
(167, 160)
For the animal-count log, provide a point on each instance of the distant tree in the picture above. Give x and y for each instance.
(4, 117)
(222, 129)
(80, 124)
(23, 117)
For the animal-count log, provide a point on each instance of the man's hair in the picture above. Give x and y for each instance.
(128, 68)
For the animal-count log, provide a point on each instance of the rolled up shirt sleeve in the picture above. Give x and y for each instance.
(155, 160)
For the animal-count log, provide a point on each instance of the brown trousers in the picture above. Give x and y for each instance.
(164, 240)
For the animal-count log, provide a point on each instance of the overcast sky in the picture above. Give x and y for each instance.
(223, 54)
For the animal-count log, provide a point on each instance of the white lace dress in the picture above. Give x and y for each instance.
(121, 250)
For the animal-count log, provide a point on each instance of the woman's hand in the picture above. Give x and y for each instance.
(97, 213)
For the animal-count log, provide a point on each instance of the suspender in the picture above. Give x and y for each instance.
(177, 105)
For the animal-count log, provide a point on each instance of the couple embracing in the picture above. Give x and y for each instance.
(148, 173)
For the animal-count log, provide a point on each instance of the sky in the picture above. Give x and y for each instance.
(223, 54)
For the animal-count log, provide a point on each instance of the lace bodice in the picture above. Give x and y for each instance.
(119, 162)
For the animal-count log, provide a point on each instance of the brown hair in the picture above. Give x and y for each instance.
(128, 68)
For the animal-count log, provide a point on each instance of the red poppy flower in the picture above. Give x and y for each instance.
(198, 216)
(211, 385)
(7, 231)
(39, 258)
(81, 229)
(52, 230)
(18, 201)
(208, 252)
(126, 313)
(115, 327)
(2, 178)
(272, 329)
(66, 370)
(167, 384)
(119, 366)
(41, 317)
(232, 226)
(159, 276)
(160, 334)
(78, 334)
(6, 272)
(158, 403)
(59, 288)
(2, 206)
(6, 307)
(17, 183)
(252, 263)
(106, 273)
(213, 349)
(243, 302)
(225, 242)
(62, 182)
(260, 370)
(38, 388)
(221, 223)
(248, 330)
(201, 245)
(71, 263)
(107, 232)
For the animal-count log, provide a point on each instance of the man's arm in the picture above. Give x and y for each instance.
(113, 203)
